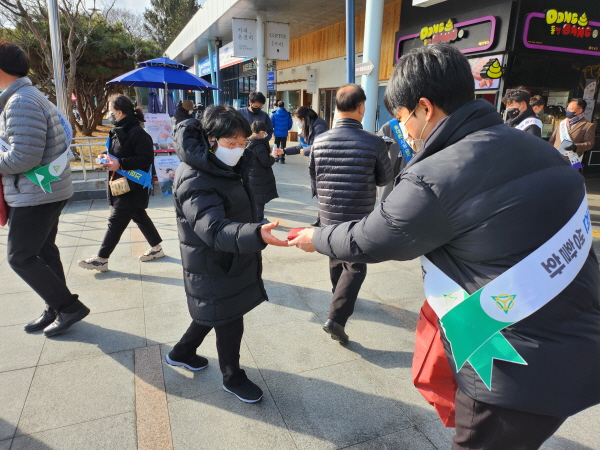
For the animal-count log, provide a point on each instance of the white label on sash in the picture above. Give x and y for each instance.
(528, 122)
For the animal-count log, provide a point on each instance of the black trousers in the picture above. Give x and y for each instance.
(346, 278)
(33, 254)
(229, 340)
(281, 142)
(483, 426)
(117, 224)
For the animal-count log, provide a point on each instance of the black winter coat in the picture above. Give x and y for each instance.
(220, 243)
(315, 129)
(256, 171)
(528, 113)
(476, 207)
(347, 164)
(133, 146)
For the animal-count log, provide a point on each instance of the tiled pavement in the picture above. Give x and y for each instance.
(104, 384)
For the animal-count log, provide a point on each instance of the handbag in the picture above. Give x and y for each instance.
(431, 371)
(119, 186)
(3, 206)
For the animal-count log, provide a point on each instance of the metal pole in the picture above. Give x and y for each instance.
(218, 72)
(372, 52)
(57, 56)
(197, 73)
(350, 51)
(261, 61)
(166, 98)
(213, 76)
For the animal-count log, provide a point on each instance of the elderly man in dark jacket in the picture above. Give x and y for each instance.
(461, 204)
(347, 164)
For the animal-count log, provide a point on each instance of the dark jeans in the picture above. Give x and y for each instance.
(484, 426)
(346, 278)
(34, 256)
(229, 340)
(117, 224)
(281, 142)
(260, 211)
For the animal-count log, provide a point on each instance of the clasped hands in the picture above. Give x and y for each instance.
(113, 165)
(303, 241)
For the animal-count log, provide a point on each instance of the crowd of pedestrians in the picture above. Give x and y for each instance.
(518, 327)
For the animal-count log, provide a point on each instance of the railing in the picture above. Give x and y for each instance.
(85, 155)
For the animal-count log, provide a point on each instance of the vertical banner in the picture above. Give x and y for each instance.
(166, 166)
(158, 126)
(270, 81)
(277, 45)
(244, 38)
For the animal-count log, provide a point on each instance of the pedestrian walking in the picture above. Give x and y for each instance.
(257, 170)
(282, 123)
(310, 126)
(254, 112)
(512, 277)
(347, 164)
(519, 113)
(130, 158)
(220, 242)
(36, 140)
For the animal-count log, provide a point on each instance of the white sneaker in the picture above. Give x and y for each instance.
(94, 263)
(152, 254)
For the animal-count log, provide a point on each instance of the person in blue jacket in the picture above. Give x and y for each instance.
(282, 123)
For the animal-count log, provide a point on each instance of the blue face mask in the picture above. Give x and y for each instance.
(570, 114)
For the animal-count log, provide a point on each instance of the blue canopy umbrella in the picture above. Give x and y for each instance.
(163, 73)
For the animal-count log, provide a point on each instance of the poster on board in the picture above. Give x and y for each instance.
(159, 127)
(487, 71)
(166, 166)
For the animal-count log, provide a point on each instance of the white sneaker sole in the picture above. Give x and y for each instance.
(90, 267)
(180, 364)
(245, 400)
(145, 258)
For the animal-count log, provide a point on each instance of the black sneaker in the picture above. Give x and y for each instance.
(247, 391)
(194, 363)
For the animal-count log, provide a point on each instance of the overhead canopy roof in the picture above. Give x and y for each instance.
(213, 21)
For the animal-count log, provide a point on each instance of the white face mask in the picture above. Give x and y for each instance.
(415, 144)
(299, 124)
(229, 156)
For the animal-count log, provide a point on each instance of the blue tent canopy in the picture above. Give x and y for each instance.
(159, 76)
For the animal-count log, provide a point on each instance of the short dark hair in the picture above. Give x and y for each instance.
(516, 95)
(124, 104)
(349, 97)
(437, 72)
(258, 126)
(224, 121)
(257, 97)
(580, 102)
(537, 100)
(13, 60)
(280, 104)
(306, 114)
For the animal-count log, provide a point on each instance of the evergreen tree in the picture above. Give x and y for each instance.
(166, 18)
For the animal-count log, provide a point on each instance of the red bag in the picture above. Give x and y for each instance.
(431, 371)
(3, 206)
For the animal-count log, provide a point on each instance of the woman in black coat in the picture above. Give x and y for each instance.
(220, 243)
(256, 169)
(130, 149)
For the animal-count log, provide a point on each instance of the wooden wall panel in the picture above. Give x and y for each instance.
(330, 42)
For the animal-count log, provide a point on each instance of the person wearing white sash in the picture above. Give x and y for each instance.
(504, 236)
(37, 183)
(575, 133)
(519, 114)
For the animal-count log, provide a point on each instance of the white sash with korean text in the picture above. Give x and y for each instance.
(563, 129)
(528, 122)
(472, 323)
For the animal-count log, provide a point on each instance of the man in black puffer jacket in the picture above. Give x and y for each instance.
(476, 208)
(347, 164)
(520, 114)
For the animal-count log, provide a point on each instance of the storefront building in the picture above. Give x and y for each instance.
(550, 47)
